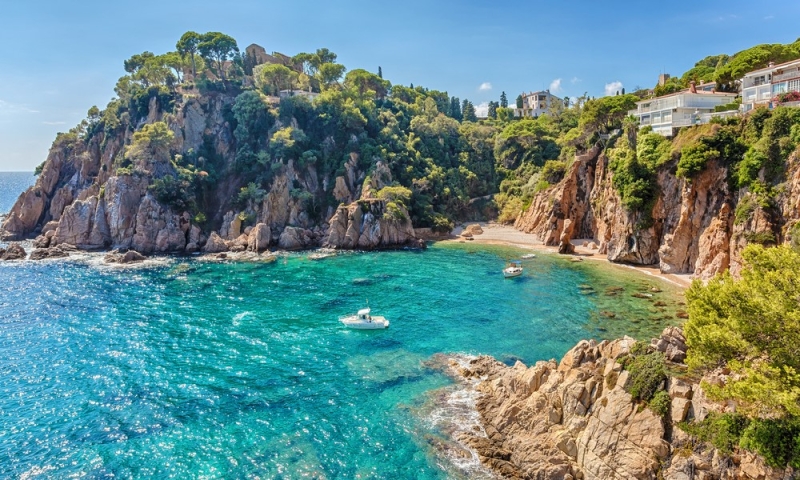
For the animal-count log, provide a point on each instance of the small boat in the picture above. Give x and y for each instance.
(528, 255)
(513, 269)
(364, 321)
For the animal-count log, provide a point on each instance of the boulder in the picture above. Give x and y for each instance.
(292, 238)
(59, 251)
(474, 229)
(131, 256)
(13, 252)
(672, 344)
(215, 244)
(42, 241)
(259, 238)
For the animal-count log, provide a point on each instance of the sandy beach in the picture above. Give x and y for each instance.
(495, 233)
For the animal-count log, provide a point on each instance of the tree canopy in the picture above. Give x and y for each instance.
(752, 326)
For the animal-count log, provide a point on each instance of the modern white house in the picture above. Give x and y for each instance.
(681, 109)
(536, 103)
(761, 86)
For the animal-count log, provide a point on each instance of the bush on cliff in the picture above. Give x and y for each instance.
(647, 372)
(751, 326)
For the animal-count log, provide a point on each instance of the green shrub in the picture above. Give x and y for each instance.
(394, 212)
(794, 236)
(660, 403)
(777, 440)
(744, 209)
(553, 171)
(633, 180)
(762, 238)
(694, 158)
(39, 168)
(722, 430)
(442, 224)
(647, 374)
(512, 208)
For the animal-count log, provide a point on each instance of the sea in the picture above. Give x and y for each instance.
(190, 368)
(11, 185)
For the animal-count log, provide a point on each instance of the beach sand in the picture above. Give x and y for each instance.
(495, 233)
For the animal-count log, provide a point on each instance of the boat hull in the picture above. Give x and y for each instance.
(377, 323)
(512, 273)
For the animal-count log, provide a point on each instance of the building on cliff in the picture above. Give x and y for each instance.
(688, 107)
(761, 87)
(535, 104)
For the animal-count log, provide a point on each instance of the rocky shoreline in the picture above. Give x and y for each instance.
(574, 419)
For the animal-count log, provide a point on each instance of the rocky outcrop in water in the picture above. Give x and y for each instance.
(86, 198)
(574, 419)
(690, 229)
(367, 225)
(15, 251)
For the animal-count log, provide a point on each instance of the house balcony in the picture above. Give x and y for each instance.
(786, 76)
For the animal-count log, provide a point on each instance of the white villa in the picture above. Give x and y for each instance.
(536, 103)
(760, 86)
(681, 109)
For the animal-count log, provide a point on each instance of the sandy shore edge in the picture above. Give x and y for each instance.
(497, 234)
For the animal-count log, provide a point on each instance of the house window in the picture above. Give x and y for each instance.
(779, 88)
(794, 85)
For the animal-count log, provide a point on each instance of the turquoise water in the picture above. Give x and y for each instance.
(11, 185)
(198, 369)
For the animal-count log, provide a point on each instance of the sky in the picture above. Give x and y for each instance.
(60, 57)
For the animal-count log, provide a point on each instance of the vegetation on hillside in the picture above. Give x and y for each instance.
(726, 70)
(751, 327)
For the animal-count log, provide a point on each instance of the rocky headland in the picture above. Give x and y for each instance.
(84, 198)
(575, 419)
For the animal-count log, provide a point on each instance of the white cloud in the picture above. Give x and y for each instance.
(8, 107)
(724, 18)
(482, 110)
(769, 17)
(613, 87)
(485, 86)
(555, 86)
(575, 80)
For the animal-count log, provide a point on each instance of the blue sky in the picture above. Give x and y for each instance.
(58, 58)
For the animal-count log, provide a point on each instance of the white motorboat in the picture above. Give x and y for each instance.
(513, 269)
(364, 321)
(528, 256)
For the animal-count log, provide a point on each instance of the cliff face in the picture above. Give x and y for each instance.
(83, 196)
(691, 227)
(575, 420)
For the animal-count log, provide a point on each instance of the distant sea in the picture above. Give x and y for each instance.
(11, 185)
(184, 368)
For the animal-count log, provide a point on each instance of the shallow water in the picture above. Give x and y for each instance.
(194, 368)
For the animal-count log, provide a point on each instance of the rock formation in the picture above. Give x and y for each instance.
(691, 227)
(574, 419)
(367, 225)
(15, 251)
(84, 198)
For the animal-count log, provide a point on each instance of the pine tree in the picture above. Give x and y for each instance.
(380, 72)
(519, 101)
(493, 110)
(455, 109)
(503, 100)
(468, 111)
